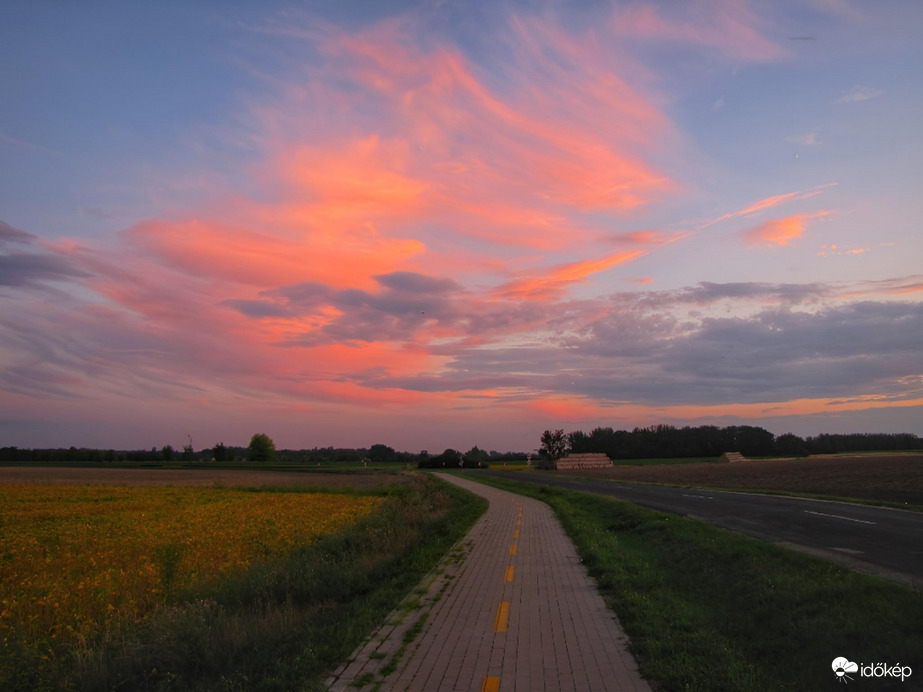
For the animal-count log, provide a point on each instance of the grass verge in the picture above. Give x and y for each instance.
(282, 625)
(707, 609)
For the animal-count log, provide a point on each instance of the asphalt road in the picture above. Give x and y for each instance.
(874, 540)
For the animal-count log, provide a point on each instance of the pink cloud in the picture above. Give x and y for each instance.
(781, 232)
(510, 166)
(775, 201)
(396, 154)
(581, 409)
(769, 203)
(552, 284)
(730, 27)
(903, 286)
(283, 249)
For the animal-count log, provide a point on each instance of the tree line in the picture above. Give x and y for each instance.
(666, 441)
(659, 441)
(260, 450)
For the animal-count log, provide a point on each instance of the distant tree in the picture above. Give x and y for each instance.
(188, 454)
(579, 442)
(451, 458)
(261, 449)
(448, 459)
(475, 458)
(862, 442)
(166, 453)
(554, 444)
(220, 452)
(382, 454)
(790, 445)
(749, 440)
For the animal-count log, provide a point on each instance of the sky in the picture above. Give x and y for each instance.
(449, 223)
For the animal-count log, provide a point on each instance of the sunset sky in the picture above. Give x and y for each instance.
(451, 223)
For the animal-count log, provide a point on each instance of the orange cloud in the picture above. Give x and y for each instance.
(910, 288)
(553, 282)
(795, 407)
(775, 201)
(782, 231)
(897, 287)
(648, 237)
(581, 410)
(509, 166)
(287, 253)
(363, 176)
(769, 203)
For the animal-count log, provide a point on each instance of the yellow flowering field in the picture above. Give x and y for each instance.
(78, 562)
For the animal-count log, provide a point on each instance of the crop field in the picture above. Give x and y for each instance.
(141, 476)
(79, 563)
(893, 478)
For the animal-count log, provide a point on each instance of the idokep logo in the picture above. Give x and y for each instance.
(843, 666)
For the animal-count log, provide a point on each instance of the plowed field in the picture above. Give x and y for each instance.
(189, 477)
(891, 478)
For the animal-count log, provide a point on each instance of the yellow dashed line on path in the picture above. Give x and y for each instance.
(503, 615)
(491, 684)
(513, 549)
(508, 576)
(515, 534)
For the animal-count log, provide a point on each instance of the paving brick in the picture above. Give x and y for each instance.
(559, 634)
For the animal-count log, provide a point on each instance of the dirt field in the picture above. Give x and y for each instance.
(892, 478)
(190, 477)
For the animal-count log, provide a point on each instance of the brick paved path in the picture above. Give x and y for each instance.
(510, 609)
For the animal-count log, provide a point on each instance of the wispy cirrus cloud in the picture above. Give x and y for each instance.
(11, 235)
(808, 139)
(553, 283)
(21, 269)
(769, 203)
(774, 201)
(15, 141)
(858, 92)
(729, 27)
(510, 166)
(26, 261)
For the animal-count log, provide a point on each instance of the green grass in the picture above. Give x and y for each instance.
(707, 609)
(285, 625)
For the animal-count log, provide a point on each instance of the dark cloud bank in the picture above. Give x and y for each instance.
(778, 342)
